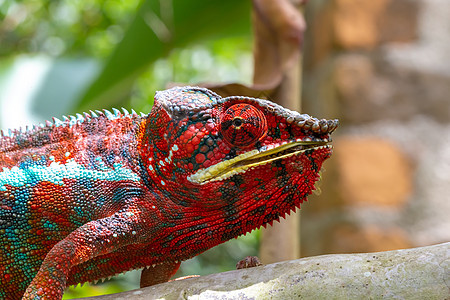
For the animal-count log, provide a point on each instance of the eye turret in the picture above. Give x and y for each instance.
(242, 125)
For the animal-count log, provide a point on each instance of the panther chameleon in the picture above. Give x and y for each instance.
(102, 193)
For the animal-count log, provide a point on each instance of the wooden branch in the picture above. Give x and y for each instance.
(418, 273)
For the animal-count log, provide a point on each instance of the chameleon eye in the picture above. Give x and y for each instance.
(243, 125)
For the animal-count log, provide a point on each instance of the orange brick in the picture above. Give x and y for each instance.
(355, 22)
(372, 171)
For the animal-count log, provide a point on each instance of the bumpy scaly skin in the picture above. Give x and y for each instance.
(95, 195)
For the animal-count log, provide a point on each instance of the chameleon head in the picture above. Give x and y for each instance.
(250, 158)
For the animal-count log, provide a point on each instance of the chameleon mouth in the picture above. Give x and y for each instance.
(252, 159)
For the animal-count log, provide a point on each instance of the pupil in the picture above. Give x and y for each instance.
(237, 122)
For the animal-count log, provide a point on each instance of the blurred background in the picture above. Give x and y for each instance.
(382, 67)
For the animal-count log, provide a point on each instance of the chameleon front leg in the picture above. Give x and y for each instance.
(86, 242)
(159, 273)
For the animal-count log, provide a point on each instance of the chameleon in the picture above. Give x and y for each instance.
(105, 192)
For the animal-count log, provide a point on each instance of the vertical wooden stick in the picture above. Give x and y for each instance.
(282, 240)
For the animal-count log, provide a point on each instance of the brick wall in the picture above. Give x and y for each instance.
(383, 68)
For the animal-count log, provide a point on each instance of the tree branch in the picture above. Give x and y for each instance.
(418, 273)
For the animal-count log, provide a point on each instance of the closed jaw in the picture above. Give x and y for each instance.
(251, 159)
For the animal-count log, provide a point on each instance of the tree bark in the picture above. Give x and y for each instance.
(418, 273)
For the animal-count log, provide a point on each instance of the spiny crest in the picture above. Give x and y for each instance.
(17, 138)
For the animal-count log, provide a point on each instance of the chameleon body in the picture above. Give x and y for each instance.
(102, 193)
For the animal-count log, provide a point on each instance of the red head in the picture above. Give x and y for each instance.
(235, 163)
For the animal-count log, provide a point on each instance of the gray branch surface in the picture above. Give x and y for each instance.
(418, 273)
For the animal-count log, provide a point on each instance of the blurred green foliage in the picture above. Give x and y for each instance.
(141, 47)
(158, 28)
(71, 27)
(221, 60)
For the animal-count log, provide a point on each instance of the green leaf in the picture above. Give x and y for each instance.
(158, 27)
